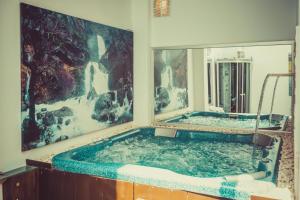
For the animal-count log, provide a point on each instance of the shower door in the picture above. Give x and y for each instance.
(233, 85)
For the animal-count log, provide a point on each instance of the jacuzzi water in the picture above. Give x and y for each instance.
(200, 158)
(228, 122)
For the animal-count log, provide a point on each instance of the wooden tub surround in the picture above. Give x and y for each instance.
(39, 181)
(42, 182)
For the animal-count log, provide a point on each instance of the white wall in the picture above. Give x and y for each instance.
(143, 72)
(270, 60)
(116, 13)
(297, 111)
(1, 195)
(297, 116)
(198, 79)
(195, 22)
(266, 59)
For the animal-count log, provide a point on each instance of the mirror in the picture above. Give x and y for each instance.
(170, 80)
(221, 87)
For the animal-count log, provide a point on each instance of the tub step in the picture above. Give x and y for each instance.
(165, 132)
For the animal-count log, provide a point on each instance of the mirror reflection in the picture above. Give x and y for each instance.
(170, 80)
(221, 87)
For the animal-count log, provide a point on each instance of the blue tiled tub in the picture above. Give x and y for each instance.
(279, 122)
(231, 186)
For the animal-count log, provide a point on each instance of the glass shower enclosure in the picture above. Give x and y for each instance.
(232, 77)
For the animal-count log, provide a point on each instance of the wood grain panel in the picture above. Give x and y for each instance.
(69, 186)
(22, 186)
(147, 192)
(260, 198)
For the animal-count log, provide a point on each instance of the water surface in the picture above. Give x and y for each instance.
(200, 158)
(227, 122)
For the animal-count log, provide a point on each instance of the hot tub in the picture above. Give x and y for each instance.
(225, 165)
(230, 120)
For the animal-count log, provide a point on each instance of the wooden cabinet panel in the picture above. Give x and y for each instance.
(260, 198)
(69, 186)
(146, 192)
(195, 196)
(123, 190)
(23, 186)
(141, 192)
(51, 184)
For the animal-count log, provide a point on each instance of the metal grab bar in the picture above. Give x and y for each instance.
(273, 97)
(263, 92)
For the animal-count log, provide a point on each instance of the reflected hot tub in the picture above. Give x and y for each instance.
(225, 165)
(230, 120)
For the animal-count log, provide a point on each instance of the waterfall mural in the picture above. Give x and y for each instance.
(76, 76)
(170, 79)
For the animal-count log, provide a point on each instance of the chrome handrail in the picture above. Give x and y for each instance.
(263, 92)
(273, 97)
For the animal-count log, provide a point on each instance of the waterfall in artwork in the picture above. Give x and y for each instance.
(95, 79)
(26, 95)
